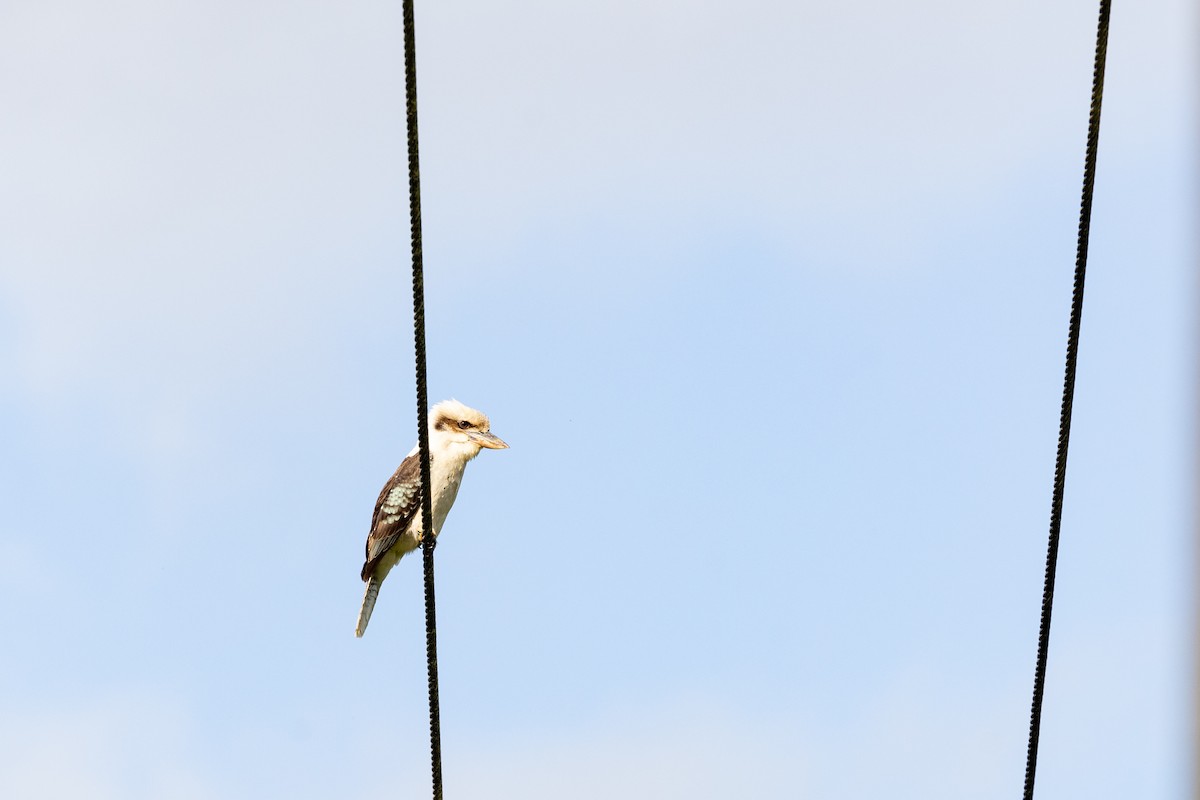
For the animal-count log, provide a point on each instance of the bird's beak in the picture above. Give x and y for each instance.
(488, 440)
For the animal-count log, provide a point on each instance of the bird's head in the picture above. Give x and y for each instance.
(461, 430)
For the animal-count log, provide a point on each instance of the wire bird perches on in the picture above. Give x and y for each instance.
(418, 278)
(1064, 429)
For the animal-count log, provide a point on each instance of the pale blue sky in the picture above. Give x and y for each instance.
(770, 302)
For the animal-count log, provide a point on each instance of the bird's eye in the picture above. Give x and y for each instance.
(464, 424)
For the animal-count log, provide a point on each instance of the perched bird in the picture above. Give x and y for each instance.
(456, 435)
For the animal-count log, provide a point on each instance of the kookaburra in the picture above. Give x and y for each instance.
(456, 435)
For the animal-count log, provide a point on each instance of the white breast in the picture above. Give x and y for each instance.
(446, 477)
(445, 489)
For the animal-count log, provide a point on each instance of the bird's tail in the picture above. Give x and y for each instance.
(364, 616)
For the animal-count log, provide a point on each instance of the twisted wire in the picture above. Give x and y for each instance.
(1064, 429)
(418, 282)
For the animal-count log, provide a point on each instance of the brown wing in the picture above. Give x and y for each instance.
(398, 503)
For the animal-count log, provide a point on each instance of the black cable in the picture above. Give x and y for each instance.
(1064, 428)
(428, 542)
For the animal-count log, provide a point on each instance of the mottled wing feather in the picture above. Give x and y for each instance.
(398, 503)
